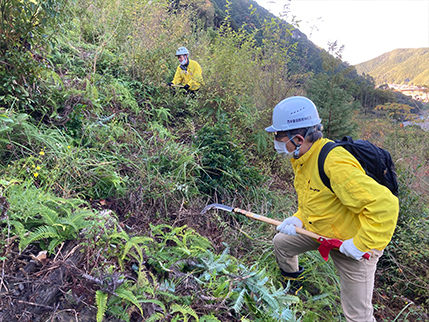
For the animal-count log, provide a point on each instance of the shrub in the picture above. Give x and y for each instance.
(24, 26)
(223, 161)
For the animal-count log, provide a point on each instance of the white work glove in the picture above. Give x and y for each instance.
(288, 225)
(349, 249)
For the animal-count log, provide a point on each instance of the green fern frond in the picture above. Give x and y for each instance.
(286, 315)
(158, 229)
(127, 248)
(156, 317)
(138, 243)
(68, 226)
(59, 225)
(40, 233)
(199, 250)
(77, 220)
(169, 296)
(268, 298)
(100, 301)
(239, 301)
(137, 240)
(256, 284)
(222, 289)
(119, 312)
(19, 228)
(122, 235)
(54, 243)
(282, 296)
(183, 250)
(184, 310)
(142, 280)
(209, 318)
(168, 233)
(36, 209)
(159, 303)
(128, 296)
(49, 216)
(220, 264)
(195, 241)
(224, 257)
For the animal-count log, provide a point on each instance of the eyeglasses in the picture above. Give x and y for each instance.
(279, 135)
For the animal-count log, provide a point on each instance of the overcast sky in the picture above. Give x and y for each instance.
(367, 28)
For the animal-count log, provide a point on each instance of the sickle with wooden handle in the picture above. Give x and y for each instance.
(326, 244)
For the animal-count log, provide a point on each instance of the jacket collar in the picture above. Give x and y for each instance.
(185, 67)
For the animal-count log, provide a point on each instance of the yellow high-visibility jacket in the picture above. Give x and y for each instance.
(192, 76)
(360, 208)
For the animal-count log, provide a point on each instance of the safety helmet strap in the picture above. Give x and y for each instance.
(297, 146)
(290, 136)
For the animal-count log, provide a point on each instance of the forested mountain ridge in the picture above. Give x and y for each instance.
(248, 14)
(308, 57)
(399, 66)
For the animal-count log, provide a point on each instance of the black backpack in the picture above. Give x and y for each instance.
(376, 162)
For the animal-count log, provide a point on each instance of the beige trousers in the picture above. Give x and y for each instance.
(356, 277)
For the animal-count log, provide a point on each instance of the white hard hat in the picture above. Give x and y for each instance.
(295, 112)
(182, 51)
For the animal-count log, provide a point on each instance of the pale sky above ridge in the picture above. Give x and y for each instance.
(367, 28)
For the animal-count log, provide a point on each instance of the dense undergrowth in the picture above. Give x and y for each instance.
(97, 153)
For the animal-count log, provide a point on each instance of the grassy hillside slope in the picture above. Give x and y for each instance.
(398, 67)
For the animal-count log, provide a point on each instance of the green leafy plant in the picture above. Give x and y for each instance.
(119, 296)
(39, 216)
(136, 243)
(209, 318)
(184, 311)
(24, 25)
(223, 160)
(245, 286)
(100, 301)
(186, 243)
(113, 303)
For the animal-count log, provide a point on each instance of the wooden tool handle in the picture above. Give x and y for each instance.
(300, 231)
(257, 217)
(275, 222)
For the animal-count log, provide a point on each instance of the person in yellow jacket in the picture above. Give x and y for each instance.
(359, 211)
(188, 74)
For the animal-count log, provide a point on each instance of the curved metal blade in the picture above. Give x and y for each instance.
(216, 206)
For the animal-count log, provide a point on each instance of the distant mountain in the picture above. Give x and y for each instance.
(399, 66)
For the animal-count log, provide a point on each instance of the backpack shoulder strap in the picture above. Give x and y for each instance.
(321, 163)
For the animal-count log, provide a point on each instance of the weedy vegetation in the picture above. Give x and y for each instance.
(104, 171)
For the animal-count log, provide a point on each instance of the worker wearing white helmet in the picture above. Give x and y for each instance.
(189, 73)
(358, 210)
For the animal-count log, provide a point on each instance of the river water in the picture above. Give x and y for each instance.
(423, 121)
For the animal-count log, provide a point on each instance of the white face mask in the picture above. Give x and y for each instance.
(184, 61)
(282, 150)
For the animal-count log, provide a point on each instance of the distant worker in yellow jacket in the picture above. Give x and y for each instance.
(188, 73)
(358, 210)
